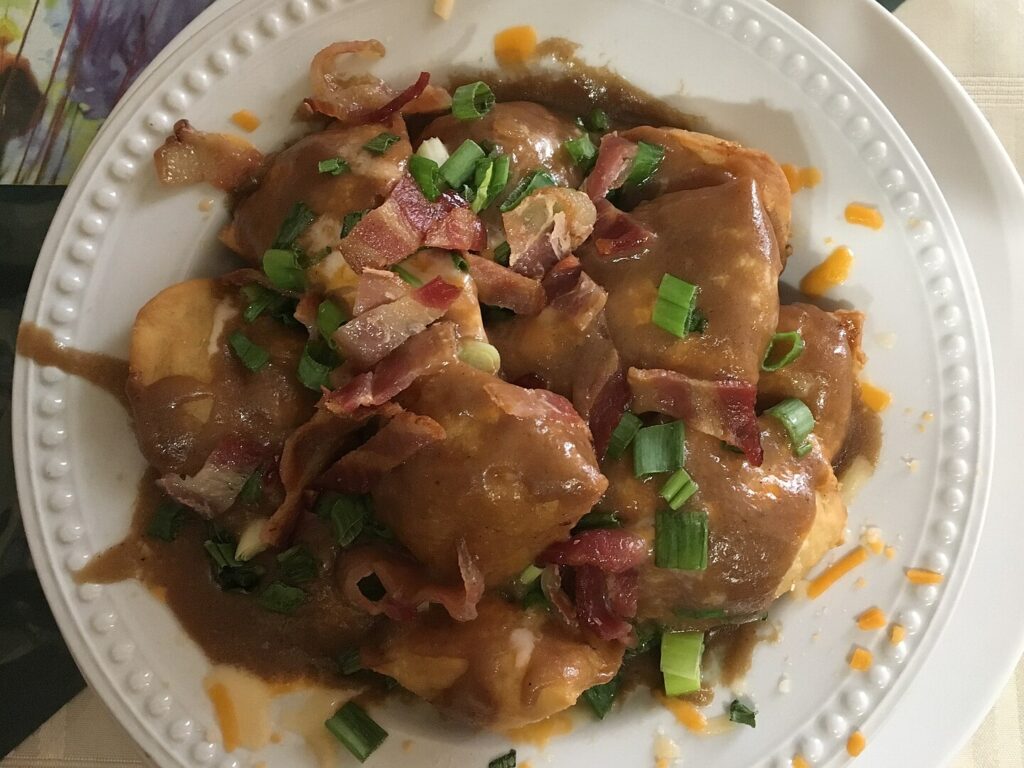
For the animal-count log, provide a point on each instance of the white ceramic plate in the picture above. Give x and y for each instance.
(757, 77)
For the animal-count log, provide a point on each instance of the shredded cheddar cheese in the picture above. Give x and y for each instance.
(861, 659)
(686, 713)
(515, 45)
(856, 743)
(890, 552)
(897, 634)
(799, 762)
(227, 717)
(833, 271)
(801, 178)
(245, 120)
(871, 619)
(539, 734)
(864, 215)
(874, 397)
(836, 571)
(920, 576)
(444, 8)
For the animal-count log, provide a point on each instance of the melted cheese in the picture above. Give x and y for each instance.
(245, 120)
(832, 272)
(515, 45)
(801, 178)
(541, 733)
(864, 216)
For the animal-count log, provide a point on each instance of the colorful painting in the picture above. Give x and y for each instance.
(63, 66)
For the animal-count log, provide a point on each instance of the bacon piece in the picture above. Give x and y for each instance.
(618, 232)
(306, 311)
(623, 592)
(423, 354)
(722, 408)
(409, 94)
(501, 287)
(406, 583)
(596, 607)
(611, 402)
(368, 338)
(545, 227)
(377, 287)
(213, 489)
(537, 404)
(551, 586)
(189, 156)
(562, 278)
(583, 302)
(610, 549)
(406, 222)
(614, 160)
(397, 441)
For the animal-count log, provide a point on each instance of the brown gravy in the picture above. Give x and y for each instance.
(863, 437)
(108, 373)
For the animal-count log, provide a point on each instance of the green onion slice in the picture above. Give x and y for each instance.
(508, 760)
(661, 448)
(681, 539)
(251, 355)
(283, 268)
(427, 176)
(698, 322)
(460, 263)
(601, 697)
(281, 598)
(461, 165)
(534, 180)
(674, 306)
(229, 573)
(623, 435)
(700, 614)
(299, 217)
(348, 515)
(356, 730)
(349, 661)
(167, 521)
(350, 221)
(597, 519)
(645, 164)
(582, 151)
(648, 635)
(499, 177)
(742, 714)
(480, 355)
(407, 276)
(252, 490)
(597, 121)
(260, 300)
(316, 364)
(502, 253)
(798, 422)
(296, 565)
(472, 101)
(680, 661)
(678, 489)
(792, 342)
(334, 166)
(478, 195)
(329, 318)
(380, 143)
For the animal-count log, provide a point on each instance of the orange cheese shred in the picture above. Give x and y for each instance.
(245, 120)
(897, 634)
(227, 716)
(686, 713)
(920, 576)
(801, 178)
(856, 743)
(799, 762)
(515, 45)
(871, 619)
(836, 571)
(833, 271)
(874, 397)
(864, 215)
(861, 659)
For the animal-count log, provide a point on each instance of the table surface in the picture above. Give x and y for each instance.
(63, 66)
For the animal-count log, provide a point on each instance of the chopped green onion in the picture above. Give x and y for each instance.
(645, 164)
(532, 181)
(499, 178)
(535, 597)
(791, 341)
(356, 730)
(742, 714)
(460, 166)
(350, 221)
(229, 572)
(460, 263)
(674, 305)
(472, 101)
(427, 175)
(407, 276)
(167, 521)
(623, 435)
(329, 318)
(680, 661)
(661, 448)
(251, 543)
(491, 314)
(597, 121)
(252, 490)
(508, 760)
(648, 634)
(316, 364)
(601, 697)
(699, 614)
(479, 195)
(348, 514)
(334, 166)
(283, 269)
(380, 143)
(251, 355)
(582, 151)
(261, 300)
(480, 355)
(678, 489)
(597, 519)
(433, 149)
(798, 422)
(529, 575)
(281, 598)
(296, 565)
(502, 253)
(681, 540)
(698, 322)
(299, 217)
(349, 661)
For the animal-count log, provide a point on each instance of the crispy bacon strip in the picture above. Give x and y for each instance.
(189, 156)
(582, 303)
(562, 278)
(723, 408)
(406, 222)
(368, 338)
(396, 442)
(409, 94)
(501, 287)
(406, 584)
(617, 232)
(545, 227)
(611, 402)
(614, 160)
(305, 311)
(213, 489)
(610, 549)
(539, 404)
(551, 586)
(599, 608)
(377, 287)
(421, 355)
